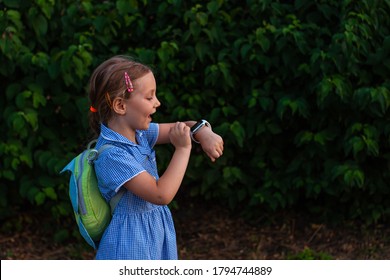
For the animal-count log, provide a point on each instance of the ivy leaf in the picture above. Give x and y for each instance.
(238, 132)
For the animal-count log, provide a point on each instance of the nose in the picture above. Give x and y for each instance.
(157, 104)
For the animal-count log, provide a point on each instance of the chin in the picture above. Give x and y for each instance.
(145, 127)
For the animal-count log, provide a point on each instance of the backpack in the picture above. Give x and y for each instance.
(91, 210)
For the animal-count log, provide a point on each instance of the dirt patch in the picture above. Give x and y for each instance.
(214, 233)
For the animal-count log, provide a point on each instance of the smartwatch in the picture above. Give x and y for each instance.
(196, 127)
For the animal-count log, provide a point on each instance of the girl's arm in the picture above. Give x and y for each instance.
(162, 191)
(212, 143)
(163, 131)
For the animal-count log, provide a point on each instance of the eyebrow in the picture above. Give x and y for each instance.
(150, 91)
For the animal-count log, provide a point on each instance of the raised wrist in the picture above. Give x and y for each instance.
(197, 128)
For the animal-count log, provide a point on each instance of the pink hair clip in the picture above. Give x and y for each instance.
(129, 84)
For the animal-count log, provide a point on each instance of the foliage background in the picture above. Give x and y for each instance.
(299, 90)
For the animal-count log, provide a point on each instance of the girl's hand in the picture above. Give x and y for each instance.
(212, 143)
(179, 135)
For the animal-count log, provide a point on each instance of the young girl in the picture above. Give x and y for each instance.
(123, 98)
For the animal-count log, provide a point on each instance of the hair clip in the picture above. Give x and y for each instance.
(93, 109)
(129, 84)
(108, 100)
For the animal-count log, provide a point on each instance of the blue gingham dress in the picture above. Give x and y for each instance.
(139, 230)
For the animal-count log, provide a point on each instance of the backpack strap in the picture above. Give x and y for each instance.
(92, 156)
(115, 199)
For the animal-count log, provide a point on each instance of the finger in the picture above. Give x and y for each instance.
(177, 125)
(211, 158)
(182, 127)
(177, 128)
(221, 145)
(219, 151)
(186, 128)
(215, 155)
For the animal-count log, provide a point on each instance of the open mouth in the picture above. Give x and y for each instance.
(150, 116)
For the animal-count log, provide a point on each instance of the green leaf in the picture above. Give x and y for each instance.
(324, 90)
(26, 158)
(43, 157)
(12, 91)
(295, 105)
(41, 59)
(213, 6)
(31, 117)
(202, 49)
(202, 18)
(361, 97)
(8, 174)
(18, 123)
(21, 99)
(303, 137)
(372, 146)
(354, 177)
(40, 198)
(37, 95)
(245, 49)
(12, 3)
(126, 6)
(40, 26)
(239, 132)
(262, 40)
(50, 193)
(46, 7)
(15, 18)
(356, 145)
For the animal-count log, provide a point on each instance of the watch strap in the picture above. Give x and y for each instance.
(196, 127)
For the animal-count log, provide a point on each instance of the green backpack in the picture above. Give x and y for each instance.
(92, 212)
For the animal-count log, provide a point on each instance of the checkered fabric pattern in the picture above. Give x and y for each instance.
(139, 230)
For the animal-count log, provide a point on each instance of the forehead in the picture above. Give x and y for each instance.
(146, 82)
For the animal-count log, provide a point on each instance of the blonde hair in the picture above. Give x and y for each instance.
(108, 82)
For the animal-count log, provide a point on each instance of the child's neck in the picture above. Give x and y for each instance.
(125, 131)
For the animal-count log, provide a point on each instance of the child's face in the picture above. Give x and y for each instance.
(142, 103)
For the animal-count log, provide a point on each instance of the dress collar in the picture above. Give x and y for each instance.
(110, 135)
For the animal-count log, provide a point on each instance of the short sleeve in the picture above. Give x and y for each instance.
(113, 168)
(152, 134)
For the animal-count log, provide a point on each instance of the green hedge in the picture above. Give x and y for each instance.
(299, 90)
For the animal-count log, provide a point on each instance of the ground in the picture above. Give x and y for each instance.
(211, 232)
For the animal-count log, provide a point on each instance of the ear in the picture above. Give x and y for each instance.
(119, 106)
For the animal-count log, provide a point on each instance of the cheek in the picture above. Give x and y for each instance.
(136, 112)
(138, 108)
